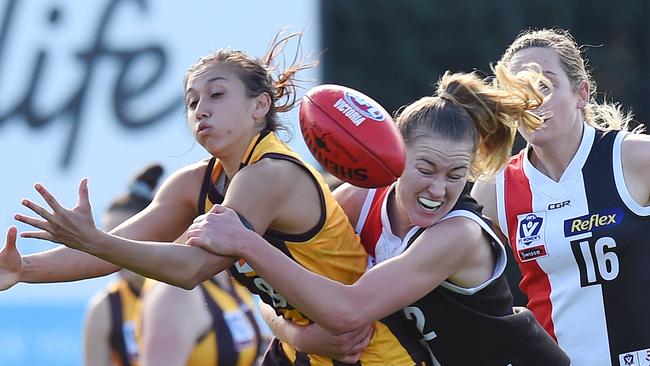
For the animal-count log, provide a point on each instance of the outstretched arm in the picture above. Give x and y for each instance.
(171, 211)
(441, 252)
(10, 261)
(143, 244)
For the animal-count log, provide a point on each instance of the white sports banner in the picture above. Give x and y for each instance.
(94, 88)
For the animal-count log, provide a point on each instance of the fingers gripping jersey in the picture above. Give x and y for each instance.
(330, 248)
(462, 326)
(582, 245)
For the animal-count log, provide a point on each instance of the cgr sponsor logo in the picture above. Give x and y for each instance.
(555, 206)
(593, 222)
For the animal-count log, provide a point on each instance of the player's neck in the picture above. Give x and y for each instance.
(553, 159)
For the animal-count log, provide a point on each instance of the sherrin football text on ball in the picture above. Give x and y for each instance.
(351, 136)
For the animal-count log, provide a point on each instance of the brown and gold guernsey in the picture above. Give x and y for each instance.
(331, 248)
(234, 336)
(124, 303)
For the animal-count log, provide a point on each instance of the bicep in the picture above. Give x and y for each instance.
(437, 254)
(170, 213)
(271, 193)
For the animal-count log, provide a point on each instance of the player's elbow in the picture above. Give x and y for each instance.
(187, 279)
(343, 318)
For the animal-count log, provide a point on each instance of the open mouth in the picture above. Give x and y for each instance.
(428, 204)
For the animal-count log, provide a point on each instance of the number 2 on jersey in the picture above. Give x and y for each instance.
(414, 313)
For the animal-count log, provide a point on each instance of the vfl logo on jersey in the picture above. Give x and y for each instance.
(635, 358)
(628, 360)
(593, 222)
(530, 236)
(357, 109)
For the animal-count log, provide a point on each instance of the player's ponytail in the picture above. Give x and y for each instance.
(466, 106)
(496, 109)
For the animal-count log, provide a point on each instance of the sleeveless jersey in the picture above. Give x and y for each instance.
(462, 326)
(234, 336)
(582, 244)
(331, 249)
(124, 304)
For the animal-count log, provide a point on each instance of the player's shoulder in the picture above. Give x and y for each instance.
(636, 148)
(351, 198)
(190, 175)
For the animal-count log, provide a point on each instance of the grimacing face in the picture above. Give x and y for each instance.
(564, 104)
(434, 177)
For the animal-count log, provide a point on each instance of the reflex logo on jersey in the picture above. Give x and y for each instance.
(593, 222)
(530, 236)
(357, 109)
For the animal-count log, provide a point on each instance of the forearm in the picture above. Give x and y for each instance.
(62, 265)
(327, 302)
(278, 325)
(177, 264)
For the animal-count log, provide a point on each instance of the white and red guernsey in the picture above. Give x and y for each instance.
(583, 247)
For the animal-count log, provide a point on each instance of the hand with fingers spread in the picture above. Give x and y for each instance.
(10, 261)
(72, 228)
(219, 231)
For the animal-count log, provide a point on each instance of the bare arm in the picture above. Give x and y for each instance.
(173, 321)
(171, 211)
(484, 191)
(635, 153)
(351, 199)
(445, 250)
(97, 330)
(314, 339)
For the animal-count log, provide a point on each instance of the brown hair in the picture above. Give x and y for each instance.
(468, 107)
(604, 116)
(257, 74)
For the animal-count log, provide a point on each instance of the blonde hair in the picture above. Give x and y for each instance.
(605, 116)
(466, 106)
(257, 74)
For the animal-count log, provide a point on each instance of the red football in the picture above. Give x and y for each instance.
(351, 136)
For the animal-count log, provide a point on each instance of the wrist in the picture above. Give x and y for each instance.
(245, 247)
(96, 243)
